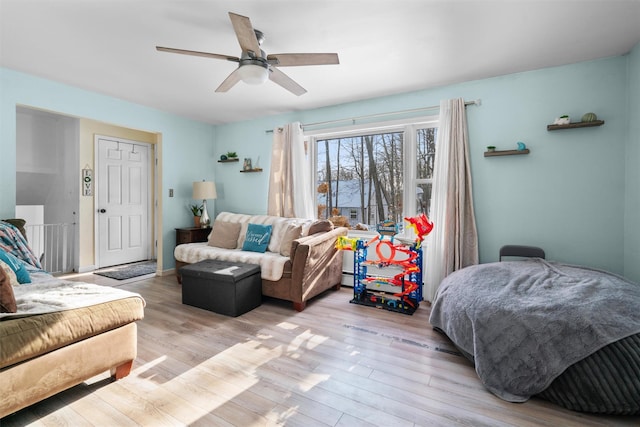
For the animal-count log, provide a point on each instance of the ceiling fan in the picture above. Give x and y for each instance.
(254, 65)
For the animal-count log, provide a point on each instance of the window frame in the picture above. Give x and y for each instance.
(408, 127)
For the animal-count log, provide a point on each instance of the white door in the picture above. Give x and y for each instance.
(122, 201)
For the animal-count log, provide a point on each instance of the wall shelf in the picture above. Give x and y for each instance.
(506, 152)
(576, 125)
(252, 170)
(235, 159)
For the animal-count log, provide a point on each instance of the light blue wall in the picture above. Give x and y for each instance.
(632, 209)
(571, 195)
(187, 145)
(567, 196)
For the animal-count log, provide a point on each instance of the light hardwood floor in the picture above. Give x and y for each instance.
(334, 364)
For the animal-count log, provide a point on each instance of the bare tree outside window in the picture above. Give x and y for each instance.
(362, 174)
(361, 179)
(426, 153)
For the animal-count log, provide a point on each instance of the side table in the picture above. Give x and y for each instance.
(192, 235)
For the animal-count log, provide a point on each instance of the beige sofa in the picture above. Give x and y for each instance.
(56, 333)
(43, 354)
(293, 268)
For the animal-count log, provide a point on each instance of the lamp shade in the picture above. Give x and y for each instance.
(203, 190)
(253, 74)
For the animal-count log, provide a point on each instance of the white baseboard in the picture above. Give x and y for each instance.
(169, 272)
(347, 279)
(86, 269)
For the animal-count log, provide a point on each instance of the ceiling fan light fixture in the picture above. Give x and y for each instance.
(254, 65)
(253, 74)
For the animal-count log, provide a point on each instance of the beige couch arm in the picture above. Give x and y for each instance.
(316, 264)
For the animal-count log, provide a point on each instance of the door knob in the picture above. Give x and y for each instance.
(102, 210)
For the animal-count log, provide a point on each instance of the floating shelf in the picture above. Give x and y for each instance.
(252, 170)
(228, 160)
(506, 152)
(576, 125)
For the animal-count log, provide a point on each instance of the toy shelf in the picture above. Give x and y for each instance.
(576, 125)
(405, 304)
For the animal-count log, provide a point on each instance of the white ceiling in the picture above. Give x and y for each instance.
(385, 46)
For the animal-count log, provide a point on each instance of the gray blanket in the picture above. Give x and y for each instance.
(525, 322)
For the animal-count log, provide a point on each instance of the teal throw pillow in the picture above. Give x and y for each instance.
(257, 238)
(17, 266)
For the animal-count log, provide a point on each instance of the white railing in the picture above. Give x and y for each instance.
(54, 244)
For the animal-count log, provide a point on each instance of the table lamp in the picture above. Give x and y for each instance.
(204, 190)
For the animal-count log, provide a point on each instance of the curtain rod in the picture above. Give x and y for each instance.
(370, 116)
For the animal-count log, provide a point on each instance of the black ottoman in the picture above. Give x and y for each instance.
(229, 288)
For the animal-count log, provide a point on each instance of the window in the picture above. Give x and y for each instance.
(361, 174)
(425, 156)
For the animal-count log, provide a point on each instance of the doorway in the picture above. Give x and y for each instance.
(47, 192)
(123, 202)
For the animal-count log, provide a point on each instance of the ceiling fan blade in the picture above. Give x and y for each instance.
(195, 53)
(296, 59)
(229, 82)
(285, 81)
(245, 33)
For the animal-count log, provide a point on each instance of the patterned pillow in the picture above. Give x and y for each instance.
(17, 266)
(257, 238)
(19, 224)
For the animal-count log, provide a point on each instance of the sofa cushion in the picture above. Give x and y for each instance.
(17, 266)
(7, 298)
(241, 219)
(277, 234)
(279, 226)
(224, 234)
(278, 223)
(271, 264)
(291, 233)
(257, 238)
(319, 226)
(54, 313)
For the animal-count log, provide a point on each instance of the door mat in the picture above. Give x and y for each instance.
(127, 271)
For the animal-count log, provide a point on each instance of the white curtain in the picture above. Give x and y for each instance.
(453, 243)
(290, 192)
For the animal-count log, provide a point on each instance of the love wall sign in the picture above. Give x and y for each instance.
(87, 182)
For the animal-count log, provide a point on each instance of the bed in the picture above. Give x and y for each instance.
(565, 333)
(59, 333)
